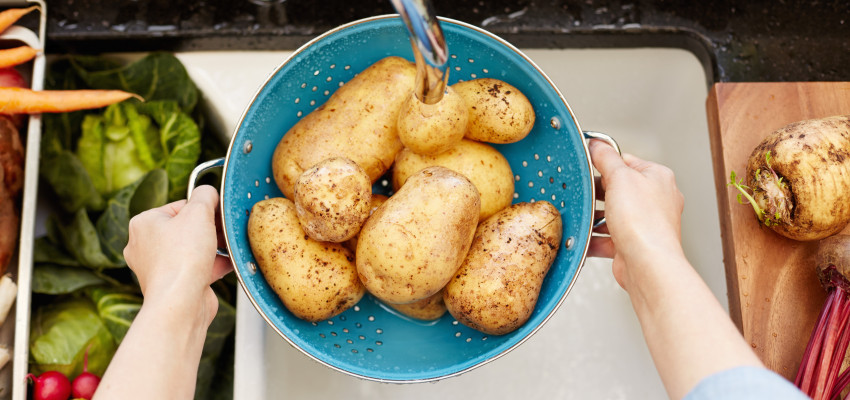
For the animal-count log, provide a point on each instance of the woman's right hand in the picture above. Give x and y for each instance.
(643, 210)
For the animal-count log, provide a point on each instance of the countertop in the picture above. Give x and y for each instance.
(734, 40)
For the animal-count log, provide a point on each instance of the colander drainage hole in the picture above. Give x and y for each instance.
(570, 242)
(457, 334)
(345, 330)
(356, 308)
(361, 337)
(469, 339)
(359, 325)
(371, 318)
(342, 318)
(369, 349)
(536, 156)
(379, 343)
(330, 322)
(379, 331)
(333, 333)
(322, 335)
(349, 341)
(525, 163)
(485, 70)
(354, 351)
(337, 346)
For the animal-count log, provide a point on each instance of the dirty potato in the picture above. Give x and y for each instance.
(332, 199)
(413, 243)
(498, 112)
(488, 170)
(496, 288)
(314, 280)
(357, 122)
(432, 128)
(427, 309)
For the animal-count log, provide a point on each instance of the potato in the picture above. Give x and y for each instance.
(414, 242)
(377, 200)
(498, 112)
(488, 170)
(357, 122)
(332, 199)
(496, 288)
(432, 128)
(314, 280)
(427, 309)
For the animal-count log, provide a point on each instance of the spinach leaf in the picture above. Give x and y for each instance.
(80, 238)
(57, 279)
(62, 332)
(45, 250)
(145, 193)
(217, 335)
(157, 76)
(70, 181)
(181, 138)
(117, 308)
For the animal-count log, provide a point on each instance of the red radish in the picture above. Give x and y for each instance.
(10, 77)
(86, 383)
(51, 385)
(820, 374)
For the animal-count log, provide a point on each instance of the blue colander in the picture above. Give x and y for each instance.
(369, 340)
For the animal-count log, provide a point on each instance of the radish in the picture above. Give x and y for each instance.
(51, 385)
(798, 179)
(819, 375)
(85, 384)
(10, 77)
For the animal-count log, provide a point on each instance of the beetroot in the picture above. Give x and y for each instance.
(51, 385)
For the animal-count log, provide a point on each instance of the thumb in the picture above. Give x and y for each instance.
(204, 196)
(604, 157)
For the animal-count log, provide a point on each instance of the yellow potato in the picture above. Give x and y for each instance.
(427, 309)
(332, 199)
(314, 280)
(413, 243)
(432, 128)
(496, 288)
(498, 112)
(357, 122)
(488, 170)
(377, 200)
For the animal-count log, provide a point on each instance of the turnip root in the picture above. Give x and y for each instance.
(798, 179)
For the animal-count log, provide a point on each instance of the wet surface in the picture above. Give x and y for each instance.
(734, 40)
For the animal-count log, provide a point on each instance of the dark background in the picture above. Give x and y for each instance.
(736, 41)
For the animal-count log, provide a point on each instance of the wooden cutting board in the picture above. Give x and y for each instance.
(774, 294)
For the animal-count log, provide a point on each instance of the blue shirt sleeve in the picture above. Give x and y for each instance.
(745, 383)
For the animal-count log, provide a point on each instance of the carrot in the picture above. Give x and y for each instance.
(16, 55)
(12, 15)
(27, 101)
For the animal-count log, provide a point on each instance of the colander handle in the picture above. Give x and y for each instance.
(607, 139)
(201, 169)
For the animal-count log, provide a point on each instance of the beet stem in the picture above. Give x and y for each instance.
(810, 357)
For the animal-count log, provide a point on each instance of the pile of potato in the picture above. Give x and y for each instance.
(447, 239)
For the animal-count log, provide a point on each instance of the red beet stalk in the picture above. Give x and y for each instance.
(820, 374)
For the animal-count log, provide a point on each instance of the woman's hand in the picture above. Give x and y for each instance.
(643, 209)
(172, 251)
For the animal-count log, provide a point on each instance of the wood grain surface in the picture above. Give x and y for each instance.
(774, 293)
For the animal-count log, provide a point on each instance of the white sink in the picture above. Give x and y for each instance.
(652, 101)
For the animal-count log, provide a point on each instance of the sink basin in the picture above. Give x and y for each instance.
(652, 102)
